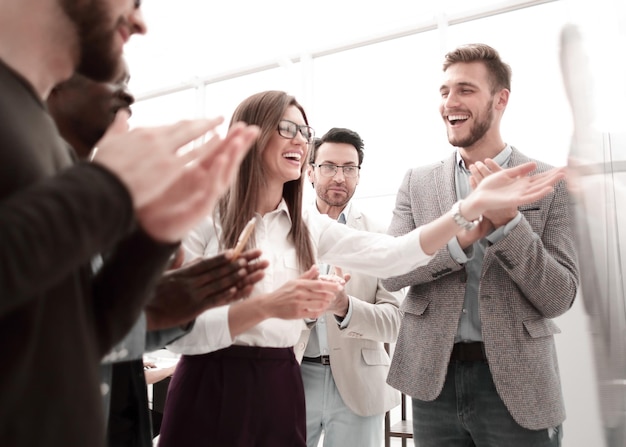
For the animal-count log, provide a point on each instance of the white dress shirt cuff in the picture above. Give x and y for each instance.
(210, 333)
(458, 254)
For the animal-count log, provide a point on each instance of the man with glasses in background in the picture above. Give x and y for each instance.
(345, 364)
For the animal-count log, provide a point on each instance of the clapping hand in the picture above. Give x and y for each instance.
(184, 293)
(340, 304)
(495, 218)
(305, 297)
(506, 189)
(172, 188)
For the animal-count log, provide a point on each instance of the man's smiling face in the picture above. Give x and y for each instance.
(467, 103)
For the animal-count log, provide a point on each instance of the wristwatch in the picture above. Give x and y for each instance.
(462, 221)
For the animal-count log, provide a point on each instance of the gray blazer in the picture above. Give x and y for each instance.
(358, 360)
(528, 277)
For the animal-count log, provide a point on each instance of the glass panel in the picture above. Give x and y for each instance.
(165, 109)
(598, 183)
(223, 97)
(537, 120)
(388, 93)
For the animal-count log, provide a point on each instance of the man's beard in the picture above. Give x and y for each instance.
(98, 60)
(326, 198)
(477, 131)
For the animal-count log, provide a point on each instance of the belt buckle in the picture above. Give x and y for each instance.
(325, 359)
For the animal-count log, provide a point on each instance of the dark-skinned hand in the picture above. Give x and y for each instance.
(184, 293)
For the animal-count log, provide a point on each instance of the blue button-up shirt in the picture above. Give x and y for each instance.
(318, 339)
(469, 322)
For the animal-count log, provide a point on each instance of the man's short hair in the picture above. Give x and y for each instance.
(499, 72)
(339, 135)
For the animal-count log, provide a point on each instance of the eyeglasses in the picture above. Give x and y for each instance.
(289, 129)
(328, 170)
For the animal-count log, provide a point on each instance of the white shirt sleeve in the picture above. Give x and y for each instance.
(373, 254)
(210, 333)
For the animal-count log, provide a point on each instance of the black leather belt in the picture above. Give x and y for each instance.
(468, 352)
(323, 359)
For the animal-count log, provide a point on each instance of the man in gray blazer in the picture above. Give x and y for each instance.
(476, 349)
(345, 364)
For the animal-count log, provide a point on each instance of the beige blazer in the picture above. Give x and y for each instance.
(358, 360)
(528, 278)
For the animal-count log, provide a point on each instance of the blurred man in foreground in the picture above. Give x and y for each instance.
(83, 109)
(57, 318)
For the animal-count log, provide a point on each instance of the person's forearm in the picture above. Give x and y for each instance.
(437, 233)
(125, 284)
(51, 229)
(245, 314)
(379, 320)
(154, 375)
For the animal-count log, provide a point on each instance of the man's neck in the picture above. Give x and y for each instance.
(38, 42)
(332, 211)
(488, 148)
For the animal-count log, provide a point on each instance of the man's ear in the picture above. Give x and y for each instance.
(503, 99)
(311, 175)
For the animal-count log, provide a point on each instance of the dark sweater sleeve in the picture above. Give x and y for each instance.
(53, 227)
(125, 283)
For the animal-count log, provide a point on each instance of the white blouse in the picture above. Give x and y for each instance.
(373, 254)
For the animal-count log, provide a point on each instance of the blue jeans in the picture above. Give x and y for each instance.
(469, 413)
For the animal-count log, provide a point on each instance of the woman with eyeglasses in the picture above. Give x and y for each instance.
(238, 382)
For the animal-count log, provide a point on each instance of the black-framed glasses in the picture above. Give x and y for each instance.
(328, 170)
(289, 129)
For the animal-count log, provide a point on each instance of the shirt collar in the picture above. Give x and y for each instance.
(281, 208)
(345, 213)
(502, 158)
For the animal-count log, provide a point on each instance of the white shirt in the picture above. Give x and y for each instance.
(373, 254)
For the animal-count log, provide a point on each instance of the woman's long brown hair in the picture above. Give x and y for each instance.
(238, 205)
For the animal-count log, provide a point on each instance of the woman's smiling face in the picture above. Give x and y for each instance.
(283, 157)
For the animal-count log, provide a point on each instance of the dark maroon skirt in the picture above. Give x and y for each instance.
(240, 396)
